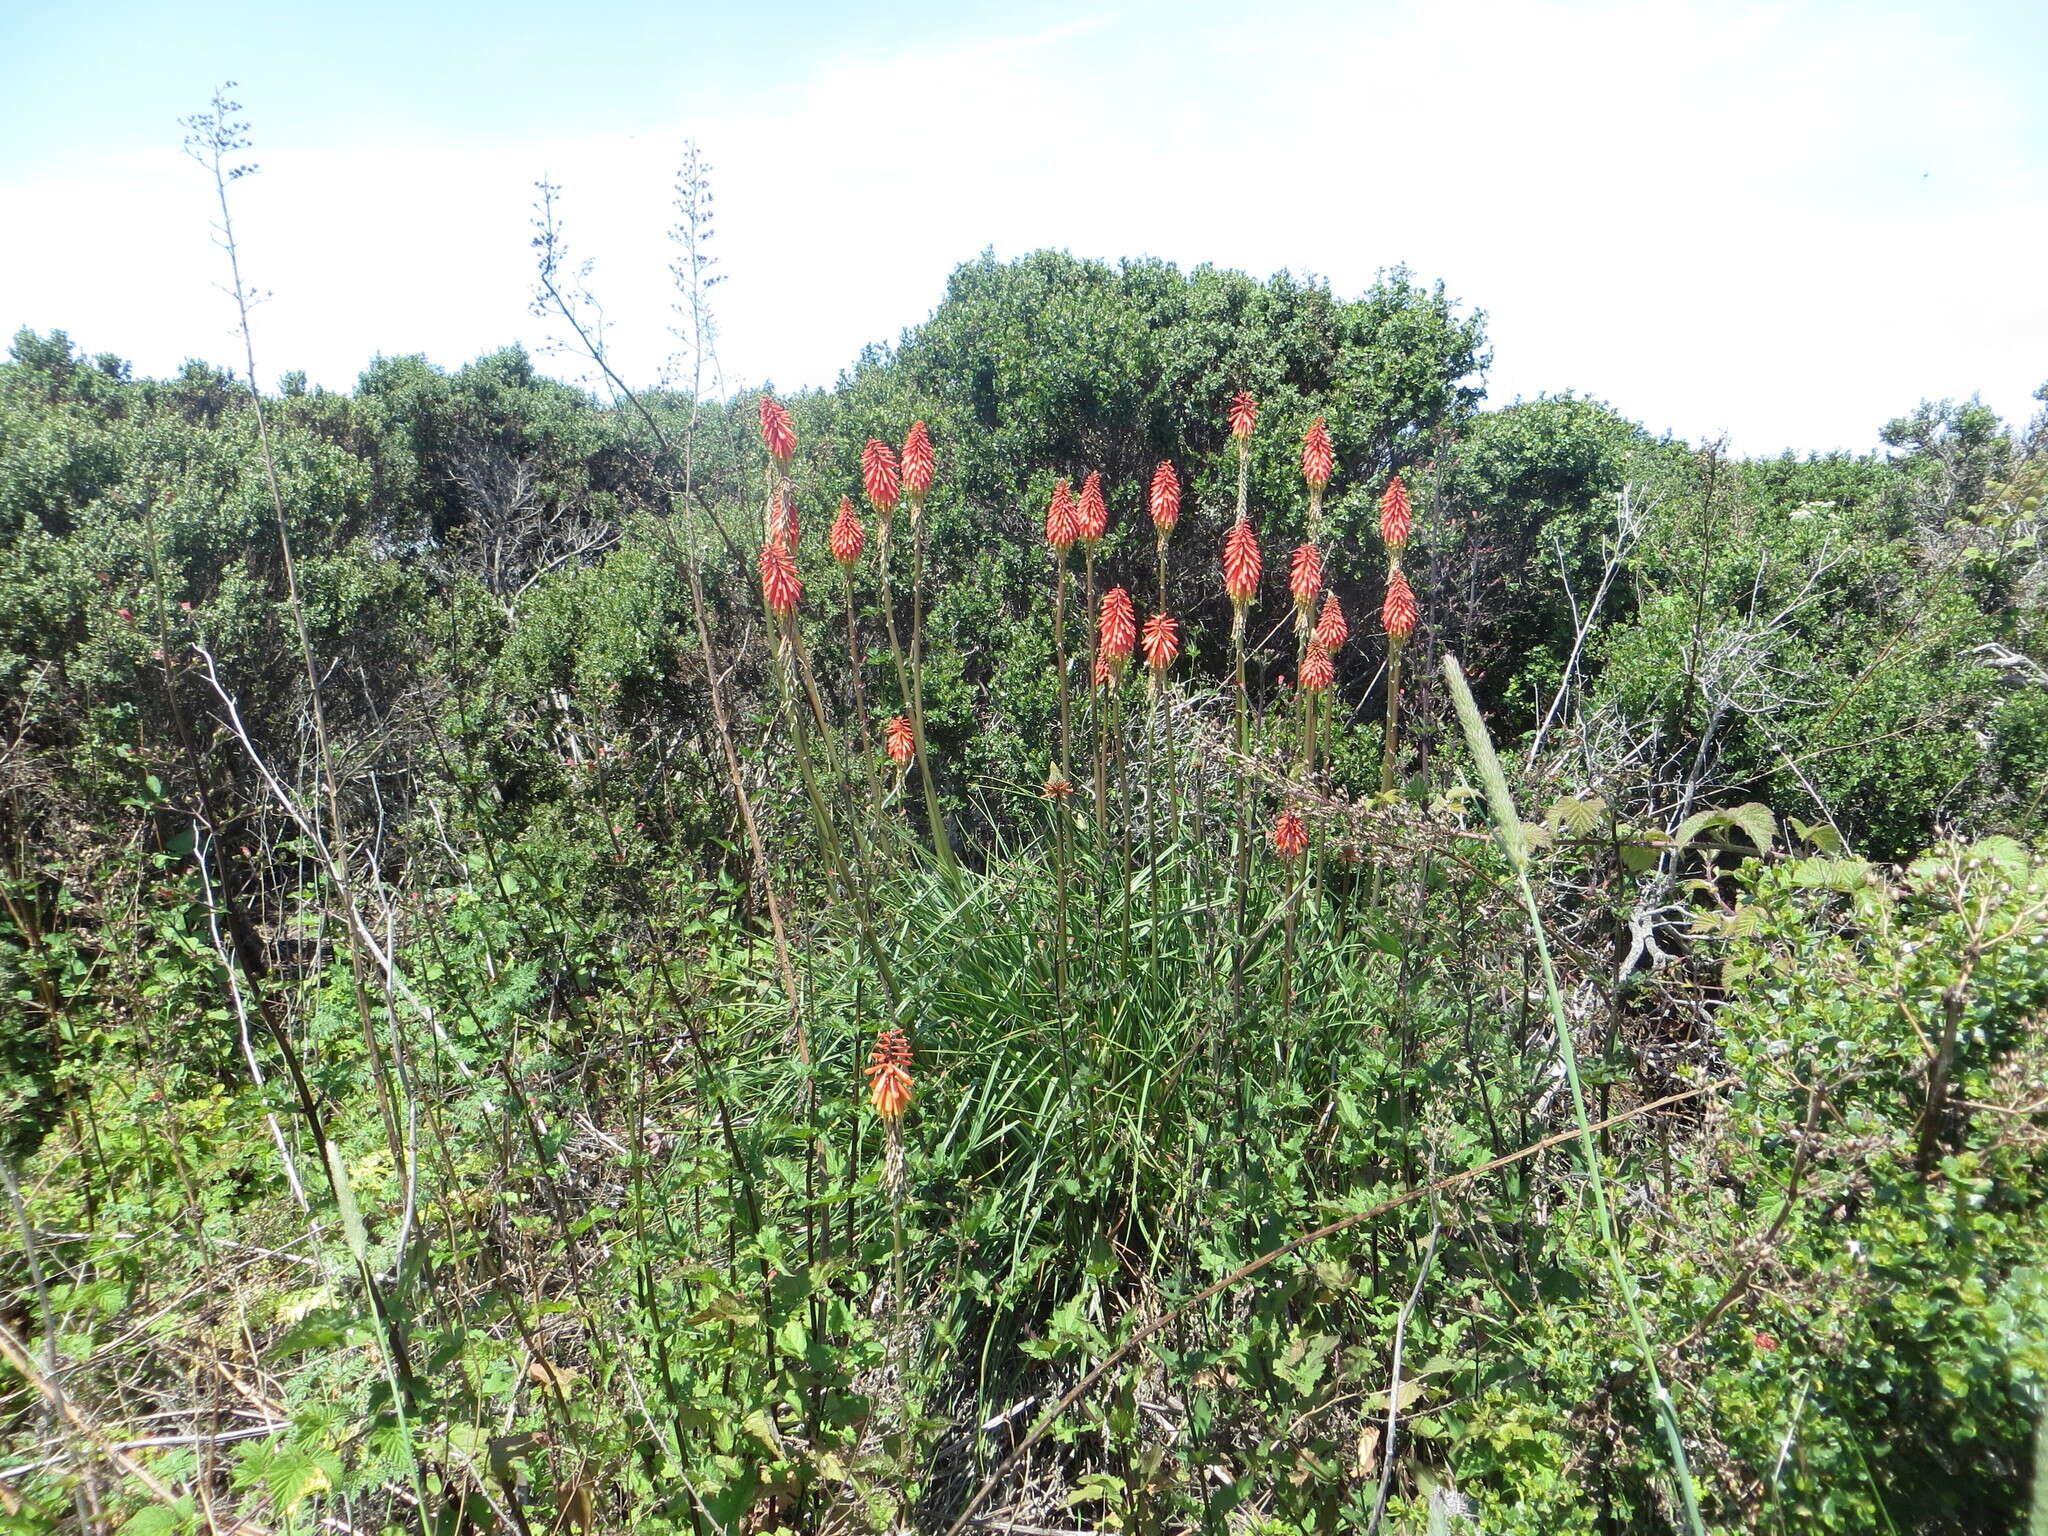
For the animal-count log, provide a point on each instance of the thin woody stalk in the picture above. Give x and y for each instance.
(1391, 747)
(941, 843)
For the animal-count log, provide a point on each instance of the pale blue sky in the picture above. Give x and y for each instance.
(1785, 222)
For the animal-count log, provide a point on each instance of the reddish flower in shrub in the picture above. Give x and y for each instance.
(777, 430)
(1165, 497)
(779, 582)
(847, 538)
(899, 740)
(1092, 514)
(1162, 642)
(878, 474)
(919, 469)
(1062, 521)
(1331, 631)
(1318, 458)
(1290, 835)
(1398, 614)
(1305, 577)
(1244, 414)
(1394, 517)
(888, 1070)
(1117, 627)
(1318, 671)
(1241, 564)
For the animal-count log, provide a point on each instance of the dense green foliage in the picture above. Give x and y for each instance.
(435, 1113)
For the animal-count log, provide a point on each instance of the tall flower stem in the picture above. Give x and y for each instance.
(1507, 826)
(942, 845)
(1059, 648)
(1390, 749)
(860, 699)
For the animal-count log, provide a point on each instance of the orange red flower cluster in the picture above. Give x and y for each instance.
(1062, 521)
(1091, 515)
(1290, 835)
(847, 539)
(888, 1071)
(780, 585)
(777, 430)
(1397, 614)
(919, 467)
(899, 740)
(879, 475)
(1165, 498)
(1117, 630)
(1318, 458)
(1241, 564)
(1244, 414)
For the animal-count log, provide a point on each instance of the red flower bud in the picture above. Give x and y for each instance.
(1317, 670)
(918, 467)
(1165, 497)
(1092, 514)
(1305, 578)
(878, 474)
(1331, 631)
(1290, 835)
(779, 582)
(1062, 520)
(1398, 613)
(1318, 459)
(1244, 414)
(899, 740)
(1241, 563)
(1162, 642)
(1117, 626)
(777, 430)
(1394, 518)
(847, 537)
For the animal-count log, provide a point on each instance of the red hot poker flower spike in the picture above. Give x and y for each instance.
(1165, 497)
(1092, 515)
(1398, 613)
(847, 538)
(1331, 631)
(779, 582)
(900, 740)
(1244, 414)
(1103, 673)
(1305, 579)
(1317, 670)
(1290, 835)
(1241, 563)
(888, 1070)
(1395, 521)
(777, 430)
(1062, 522)
(878, 474)
(1162, 642)
(1118, 627)
(919, 468)
(1318, 459)
(1056, 786)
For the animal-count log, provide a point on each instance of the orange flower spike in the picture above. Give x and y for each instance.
(1318, 672)
(1318, 458)
(1092, 513)
(1241, 564)
(899, 740)
(1305, 578)
(1062, 520)
(847, 537)
(1162, 642)
(1103, 673)
(919, 467)
(1117, 627)
(777, 430)
(1165, 497)
(1331, 631)
(1244, 414)
(878, 475)
(1398, 613)
(1290, 835)
(889, 1084)
(780, 584)
(1395, 521)
(1056, 787)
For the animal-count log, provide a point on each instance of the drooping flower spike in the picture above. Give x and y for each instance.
(1305, 577)
(1117, 628)
(889, 1085)
(1398, 614)
(1241, 563)
(1244, 414)
(899, 740)
(1162, 642)
(847, 538)
(878, 474)
(1056, 786)
(1395, 521)
(778, 431)
(1290, 835)
(1102, 674)
(782, 519)
(1318, 671)
(1165, 497)
(1318, 459)
(780, 585)
(1331, 631)
(1062, 521)
(1092, 512)
(919, 468)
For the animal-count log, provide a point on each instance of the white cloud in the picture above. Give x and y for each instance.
(1724, 219)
